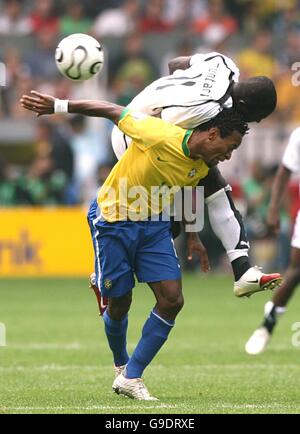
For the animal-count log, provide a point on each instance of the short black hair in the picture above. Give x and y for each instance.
(227, 121)
(255, 98)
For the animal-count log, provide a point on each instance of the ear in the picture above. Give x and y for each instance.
(241, 107)
(213, 133)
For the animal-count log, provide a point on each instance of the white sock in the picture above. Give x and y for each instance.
(225, 225)
(280, 310)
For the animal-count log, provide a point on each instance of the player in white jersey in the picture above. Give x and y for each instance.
(197, 90)
(275, 308)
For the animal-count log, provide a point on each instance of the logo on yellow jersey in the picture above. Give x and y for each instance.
(161, 160)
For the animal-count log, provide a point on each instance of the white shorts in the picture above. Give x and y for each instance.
(296, 236)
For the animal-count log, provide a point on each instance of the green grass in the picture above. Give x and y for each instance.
(57, 360)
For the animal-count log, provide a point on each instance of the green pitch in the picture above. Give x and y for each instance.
(57, 360)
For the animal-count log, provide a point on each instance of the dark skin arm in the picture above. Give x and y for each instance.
(195, 245)
(279, 187)
(179, 63)
(42, 104)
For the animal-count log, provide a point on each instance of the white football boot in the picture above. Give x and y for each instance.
(132, 388)
(255, 281)
(260, 338)
(258, 341)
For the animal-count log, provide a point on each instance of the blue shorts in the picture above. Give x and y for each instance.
(125, 248)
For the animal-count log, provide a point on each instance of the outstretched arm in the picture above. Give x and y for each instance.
(43, 104)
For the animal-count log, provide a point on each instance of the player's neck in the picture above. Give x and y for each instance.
(196, 144)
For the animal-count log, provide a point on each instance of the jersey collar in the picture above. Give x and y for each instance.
(185, 147)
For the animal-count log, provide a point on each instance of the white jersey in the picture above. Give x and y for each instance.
(186, 98)
(291, 157)
(291, 160)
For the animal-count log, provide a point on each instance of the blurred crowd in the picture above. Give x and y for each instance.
(68, 159)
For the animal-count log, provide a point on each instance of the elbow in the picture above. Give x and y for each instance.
(171, 66)
(179, 63)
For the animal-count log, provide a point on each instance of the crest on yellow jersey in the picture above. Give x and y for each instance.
(192, 173)
(107, 284)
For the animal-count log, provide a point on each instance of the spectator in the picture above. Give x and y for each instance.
(184, 48)
(288, 108)
(258, 59)
(118, 21)
(131, 71)
(7, 184)
(182, 12)
(47, 178)
(41, 61)
(44, 18)
(286, 22)
(16, 74)
(53, 142)
(75, 20)
(22, 85)
(12, 19)
(88, 152)
(257, 191)
(153, 21)
(215, 21)
(288, 96)
(94, 8)
(290, 49)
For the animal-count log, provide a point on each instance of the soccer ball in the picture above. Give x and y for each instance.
(79, 57)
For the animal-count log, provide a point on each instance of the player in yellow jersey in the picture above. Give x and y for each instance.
(130, 240)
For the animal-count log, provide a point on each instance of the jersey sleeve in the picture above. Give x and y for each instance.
(291, 157)
(148, 131)
(198, 59)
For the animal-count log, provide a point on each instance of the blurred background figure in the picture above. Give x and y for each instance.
(40, 60)
(75, 19)
(153, 18)
(89, 153)
(216, 21)
(182, 12)
(258, 59)
(43, 17)
(117, 22)
(53, 166)
(13, 20)
(7, 184)
(257, 192)
(132, 69)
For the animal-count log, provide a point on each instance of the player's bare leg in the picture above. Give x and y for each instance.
(169, 302)
(228, 225)
(275, 309)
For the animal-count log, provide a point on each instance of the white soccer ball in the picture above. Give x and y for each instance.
(79, 57)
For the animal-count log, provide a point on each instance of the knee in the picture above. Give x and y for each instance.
(119, 307)
(171, 305)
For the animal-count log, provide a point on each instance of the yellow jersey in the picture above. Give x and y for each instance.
(157, 160)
